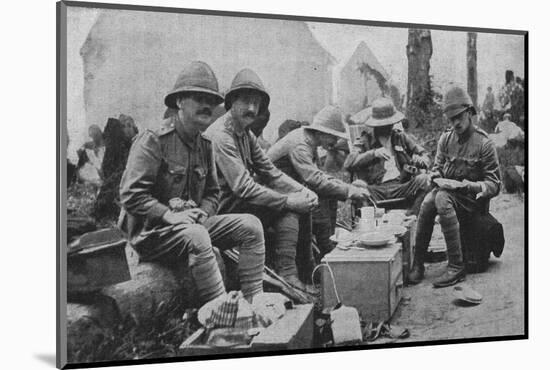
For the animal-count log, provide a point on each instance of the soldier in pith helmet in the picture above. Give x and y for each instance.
(250, 182)
(170, 194)
(467, 155)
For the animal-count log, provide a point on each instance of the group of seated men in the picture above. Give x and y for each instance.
(197, 183)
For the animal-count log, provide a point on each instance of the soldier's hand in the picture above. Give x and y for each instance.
(190, 216)
(382, 153)
(472, 186)
(312, 196)
(360, 184)
(357, 193)
(432, 176)
(419, 161)
(299, 203)
(176, 204)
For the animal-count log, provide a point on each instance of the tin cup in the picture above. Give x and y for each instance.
(395, 218)
(367, 213)
(367, 220)
(379, 212)
(365, 224)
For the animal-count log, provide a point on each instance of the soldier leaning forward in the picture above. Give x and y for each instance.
(250, 182)
(296, 155)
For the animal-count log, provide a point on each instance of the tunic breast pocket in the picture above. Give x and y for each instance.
(173, 180)
(472, 169)
(467, 168)
(198, 183)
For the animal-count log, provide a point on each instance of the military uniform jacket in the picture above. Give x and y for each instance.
(371, 169)
(474, 158)
(298, 158)
(164, 165)
(246, 173)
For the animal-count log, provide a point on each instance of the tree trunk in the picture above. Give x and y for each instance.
(471, 60)
(419, 92)
(92, 317)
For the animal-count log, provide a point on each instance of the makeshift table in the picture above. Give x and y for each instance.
(371, 280)
(407, 241)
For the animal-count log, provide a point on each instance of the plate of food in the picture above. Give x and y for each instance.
(374, 239)
(396, 230)
(448, 184)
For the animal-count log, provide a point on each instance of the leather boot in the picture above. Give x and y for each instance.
(451, 276)
(417, 273)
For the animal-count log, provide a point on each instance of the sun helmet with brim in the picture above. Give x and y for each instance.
(246, 79)
(330, 121)
(384, 114)
(195, 77)
(456, 101)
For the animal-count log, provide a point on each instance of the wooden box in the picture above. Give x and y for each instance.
(96, 260)
(371, 280)
(293, 331)
(407, 241)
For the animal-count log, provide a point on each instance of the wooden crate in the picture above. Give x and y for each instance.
(293, 331)
(97, 261)
(437, 250)
(407, 241)
(371, 280)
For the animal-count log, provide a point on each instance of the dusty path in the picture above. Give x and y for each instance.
(432, 314)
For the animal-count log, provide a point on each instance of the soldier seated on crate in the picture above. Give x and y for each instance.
(170, 194)
(296, 155)
(465, 154)
(389, 160)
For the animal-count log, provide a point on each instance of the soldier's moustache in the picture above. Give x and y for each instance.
(205, 111)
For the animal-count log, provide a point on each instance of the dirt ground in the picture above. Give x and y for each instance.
(434, 314)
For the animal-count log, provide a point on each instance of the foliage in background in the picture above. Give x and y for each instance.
(81, 198)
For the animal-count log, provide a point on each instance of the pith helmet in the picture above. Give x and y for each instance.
(246, 79)
(384, 113)
(456, 101)
(330, 121)
(195, 77)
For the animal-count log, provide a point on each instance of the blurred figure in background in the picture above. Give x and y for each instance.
(509, 129)
(130, 128)
(512, 98)
(117, 147)
(90, 157)
(488, 108)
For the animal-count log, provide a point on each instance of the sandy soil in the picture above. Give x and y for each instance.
(434, 314)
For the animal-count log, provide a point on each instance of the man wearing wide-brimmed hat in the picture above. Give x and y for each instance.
(250, 182)
(388, 159)
(170, 194)
(467, 155)
(296, 154)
